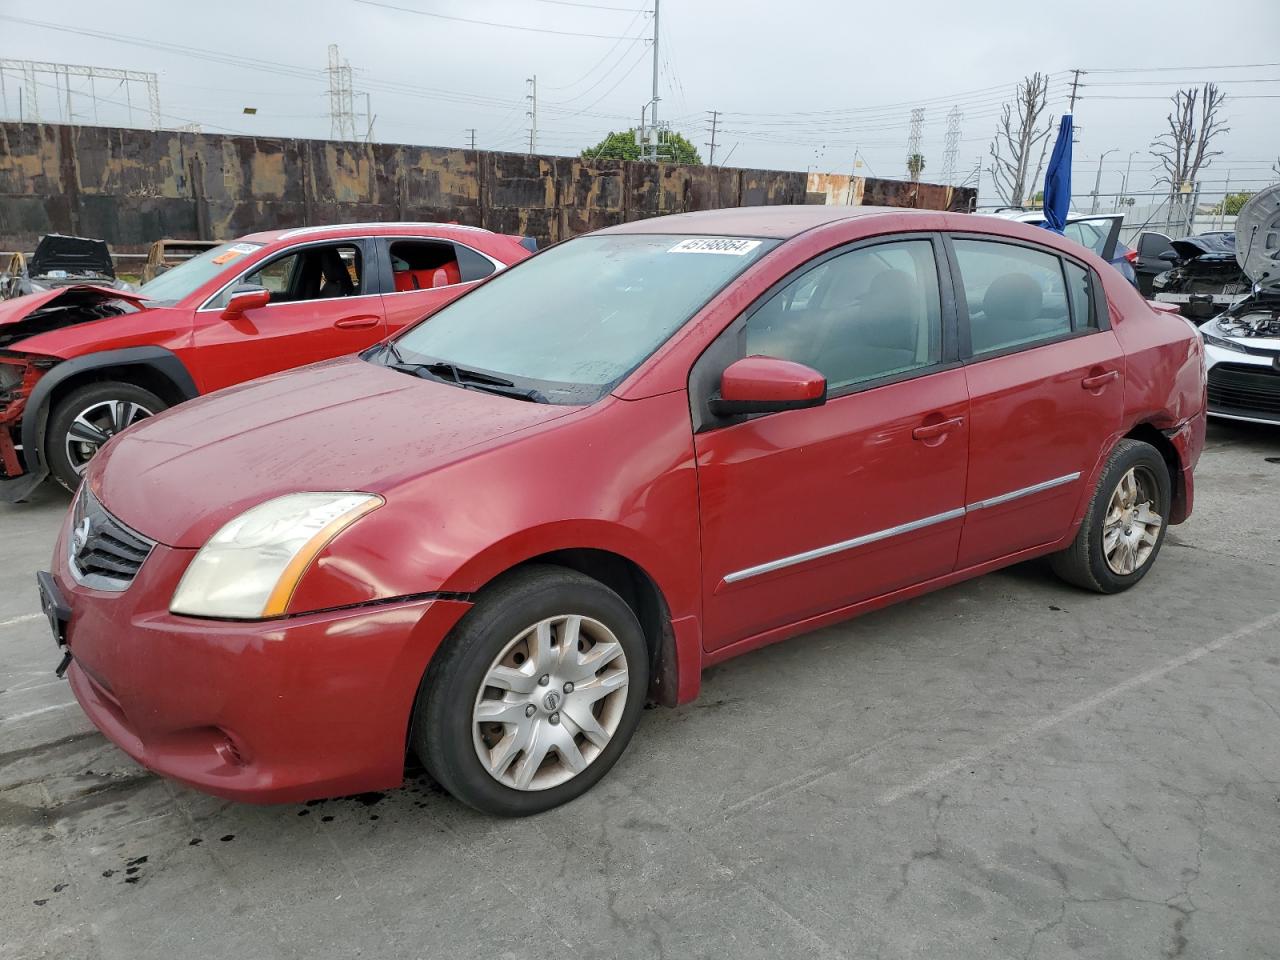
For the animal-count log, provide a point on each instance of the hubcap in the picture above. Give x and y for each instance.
(1131, 528)
(550, 702)
(97, 424)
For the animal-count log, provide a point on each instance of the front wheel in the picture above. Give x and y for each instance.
(1125, 524)
(88, 417)
(535, 694)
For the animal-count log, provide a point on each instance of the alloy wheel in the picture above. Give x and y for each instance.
(1131, 527)
(550, 702)
(97, 424)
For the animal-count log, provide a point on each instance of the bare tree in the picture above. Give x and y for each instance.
(1183, 149)
(1019, 139)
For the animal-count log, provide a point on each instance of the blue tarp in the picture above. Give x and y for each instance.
(1057, 179)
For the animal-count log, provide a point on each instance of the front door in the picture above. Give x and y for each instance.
(1046, 384)
(323, 304)
(807, 511)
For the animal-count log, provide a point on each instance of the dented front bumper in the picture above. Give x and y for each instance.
(20, 470)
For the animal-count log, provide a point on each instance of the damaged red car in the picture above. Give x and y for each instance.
(491, 539)
(80, 363)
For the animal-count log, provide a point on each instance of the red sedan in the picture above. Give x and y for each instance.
(78, 364)
(639, 453)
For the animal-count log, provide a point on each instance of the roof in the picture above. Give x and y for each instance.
(440, 229)
(781, 222)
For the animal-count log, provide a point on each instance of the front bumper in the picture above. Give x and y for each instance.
(266, 712)
(1243, 386)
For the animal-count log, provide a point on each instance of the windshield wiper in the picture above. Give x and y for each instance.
(460, 376)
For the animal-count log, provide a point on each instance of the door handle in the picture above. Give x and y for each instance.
(357, 323)
(934, 430)
(1098, 381)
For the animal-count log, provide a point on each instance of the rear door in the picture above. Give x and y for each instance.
(324, 303)
(806, 511)
(1045, 376)
(420, 275)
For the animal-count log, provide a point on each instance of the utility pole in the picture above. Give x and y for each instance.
(913, 144)
(711, 157)
(1075, 82)
(1124, 184)
(532, 97)
(952, 146)
(472, 132)
(653, 112)
(1097, 181)
(1222, 207)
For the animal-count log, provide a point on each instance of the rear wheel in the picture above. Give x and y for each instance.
(88, 417)
(1125, 524)
(535, 694)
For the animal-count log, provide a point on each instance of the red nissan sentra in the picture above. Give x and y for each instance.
(639, 453)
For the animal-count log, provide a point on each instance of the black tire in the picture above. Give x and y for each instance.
(1084, 563)
(79, 401)
(442, 733)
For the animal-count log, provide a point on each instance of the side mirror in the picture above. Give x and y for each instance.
(1170, 256)
(246, 297)
(767, 385)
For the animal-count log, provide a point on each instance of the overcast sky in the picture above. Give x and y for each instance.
(802, 84)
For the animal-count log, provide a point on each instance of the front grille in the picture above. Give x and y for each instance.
(1245, 388)
(105, 554)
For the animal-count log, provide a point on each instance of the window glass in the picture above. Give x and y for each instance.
(1015, 295)
(1081, 297)
(1153, 244)
(472, 264)
(865, 314)
(1087, 235)
(577, 318)
(320, 272)
(187, 277)
(423, 265)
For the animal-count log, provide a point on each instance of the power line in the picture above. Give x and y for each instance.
(591, 6)
(1220, 66)
(487, 23)
(607, 55)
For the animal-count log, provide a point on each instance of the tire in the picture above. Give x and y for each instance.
(500, 633)
(1118, 540)
(103, 408)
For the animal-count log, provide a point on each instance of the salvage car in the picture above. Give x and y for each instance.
(60, 261)
(1242, 344)
(493, 538)
(1203, 276)
(80, 363)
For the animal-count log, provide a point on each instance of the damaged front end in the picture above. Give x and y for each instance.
(1206, 278)
(60, 261)
(23, 407)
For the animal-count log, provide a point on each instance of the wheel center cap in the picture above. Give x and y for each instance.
(552, 700)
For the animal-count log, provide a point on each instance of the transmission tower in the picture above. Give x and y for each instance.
(342, 111)
(953, 146)
(127, 81)
(532, 113)
(913, 143)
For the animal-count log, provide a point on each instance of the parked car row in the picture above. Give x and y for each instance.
(493, 536)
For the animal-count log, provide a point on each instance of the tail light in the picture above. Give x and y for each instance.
(1131, 256)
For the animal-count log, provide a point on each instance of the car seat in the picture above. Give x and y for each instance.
(337, 279)
(1009, 308)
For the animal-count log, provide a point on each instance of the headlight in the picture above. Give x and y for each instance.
(1219, 342)
(248, 570)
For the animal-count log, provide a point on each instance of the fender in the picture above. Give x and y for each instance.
(36, 416)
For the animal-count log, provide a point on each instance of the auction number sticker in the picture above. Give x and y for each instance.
(238, 250)
(732, 246)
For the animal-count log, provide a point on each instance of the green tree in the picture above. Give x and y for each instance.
(915, 165)
(1232, 203)
(622, 145)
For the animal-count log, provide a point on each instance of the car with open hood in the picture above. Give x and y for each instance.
(493, 538)
(1242, 343)
(80, 361)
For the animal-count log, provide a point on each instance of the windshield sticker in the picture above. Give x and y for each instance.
(239, 250)
(732, 246)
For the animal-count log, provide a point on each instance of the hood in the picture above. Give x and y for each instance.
(75, 255)
(1258, 238)
(60, 307)
(340, 425)
(1208, 247)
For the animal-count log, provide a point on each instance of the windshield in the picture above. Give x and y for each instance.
(575, 320)
(187, 277)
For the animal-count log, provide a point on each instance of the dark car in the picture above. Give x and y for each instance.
(493, 538)
(1202, 274)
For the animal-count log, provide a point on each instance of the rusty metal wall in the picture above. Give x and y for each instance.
(131, 187)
